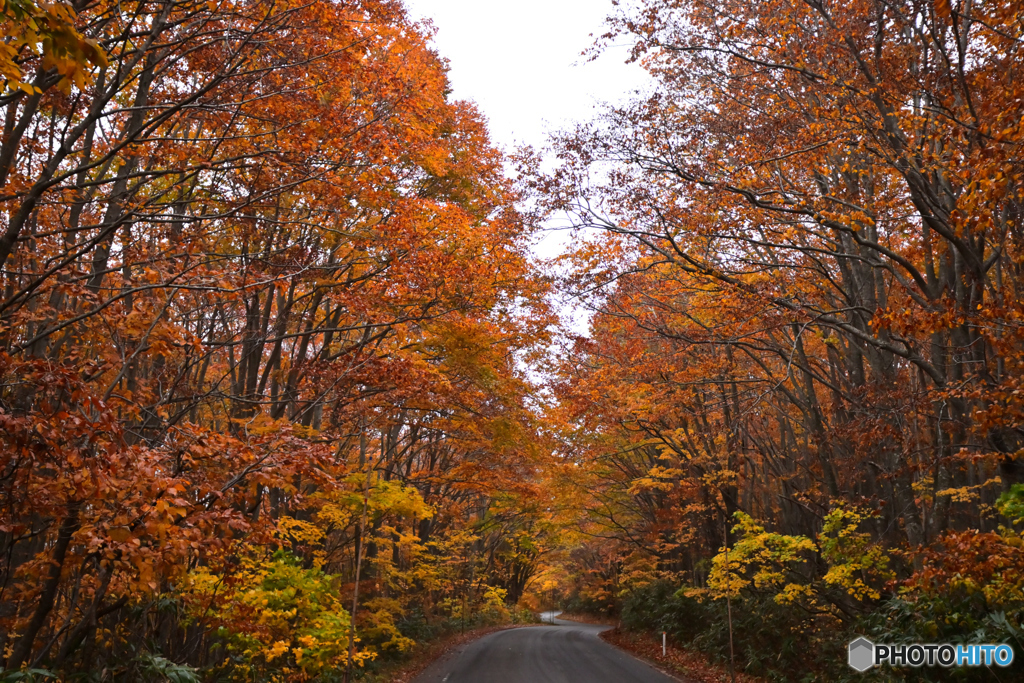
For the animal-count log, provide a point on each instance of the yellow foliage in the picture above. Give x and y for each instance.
(274, 614)
(855, 562)
(760, 559)
(768, 562)
(48, 29)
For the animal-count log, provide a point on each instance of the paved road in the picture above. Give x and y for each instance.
(566, 652)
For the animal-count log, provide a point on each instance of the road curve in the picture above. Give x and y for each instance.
(566, 652)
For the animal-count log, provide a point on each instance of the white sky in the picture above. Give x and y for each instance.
(522, 62)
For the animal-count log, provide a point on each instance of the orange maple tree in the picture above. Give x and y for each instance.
(802, 252)
(264, 288)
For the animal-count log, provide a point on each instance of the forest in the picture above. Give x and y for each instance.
(287, 393)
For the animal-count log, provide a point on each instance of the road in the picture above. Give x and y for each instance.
(565, 652)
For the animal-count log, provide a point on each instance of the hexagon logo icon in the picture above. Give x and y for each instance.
(862, 655)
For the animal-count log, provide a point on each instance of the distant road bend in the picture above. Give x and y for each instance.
(565, 652)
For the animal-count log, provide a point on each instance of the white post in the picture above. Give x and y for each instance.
(728, 605)
(663, 648)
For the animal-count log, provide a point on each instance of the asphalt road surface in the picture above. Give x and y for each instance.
(565, 652)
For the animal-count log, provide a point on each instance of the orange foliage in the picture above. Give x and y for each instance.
(256, 265)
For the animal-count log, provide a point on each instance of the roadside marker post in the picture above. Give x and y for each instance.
(664, 651)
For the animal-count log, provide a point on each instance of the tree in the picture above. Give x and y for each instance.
(250, 252)
(803, 272)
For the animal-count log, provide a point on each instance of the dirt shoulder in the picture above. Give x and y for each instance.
(691, 666)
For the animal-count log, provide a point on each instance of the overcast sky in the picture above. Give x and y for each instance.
(522, 62)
